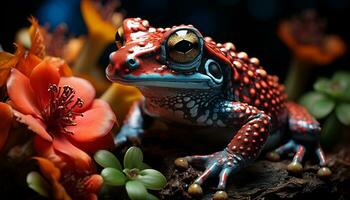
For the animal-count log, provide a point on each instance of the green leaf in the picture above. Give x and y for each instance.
(133, 158)
(342, 76)
(343, 113)
(152, 179)
(330, 87)
(318, 104)
(107, 159)
(322, 84)
(112, 176)
(37, 183)
(136, 190)
(151, 197)
(343, 79)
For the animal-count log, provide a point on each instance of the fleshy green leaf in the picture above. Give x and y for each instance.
(317, 103)
(37, 183)
(152, 179)
(112, 176)
(322, 84)
(133, 158)
(151, 197)
(107, 159)
(343, 113)
(343, 79)
(338, 87)
(342, 76)
(136, 190)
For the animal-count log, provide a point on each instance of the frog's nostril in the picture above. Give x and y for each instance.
(132, 62)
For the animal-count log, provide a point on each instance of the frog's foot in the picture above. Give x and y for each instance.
(126, 134)
(295, 166)
(221, 163)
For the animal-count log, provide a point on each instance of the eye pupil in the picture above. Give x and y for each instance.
(183, 46)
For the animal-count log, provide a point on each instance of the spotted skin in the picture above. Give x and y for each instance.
(190, 79)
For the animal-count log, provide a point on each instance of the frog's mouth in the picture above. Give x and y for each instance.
(190, 81)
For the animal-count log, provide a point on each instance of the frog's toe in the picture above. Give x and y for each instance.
(221, 164)
(273, 156)
(295, 167)
(181, 163)
(220, 195)
(195, 190)
(324, 172)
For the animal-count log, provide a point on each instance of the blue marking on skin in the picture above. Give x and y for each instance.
(185, 81)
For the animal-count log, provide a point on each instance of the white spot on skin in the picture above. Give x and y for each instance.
(190, 104)
(204, 117)
(209, 122)
(178, 105)
(194, 111)
(215, 116)
(187, 99)
(220, 123)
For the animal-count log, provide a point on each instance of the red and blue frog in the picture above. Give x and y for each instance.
(191, 80)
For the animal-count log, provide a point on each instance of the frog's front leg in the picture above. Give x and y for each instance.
(133, 126)
(250, 129)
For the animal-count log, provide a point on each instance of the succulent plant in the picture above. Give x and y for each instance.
(136, 175)
(330, 100)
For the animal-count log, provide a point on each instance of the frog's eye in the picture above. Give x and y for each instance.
(119, 38)
(183, 46)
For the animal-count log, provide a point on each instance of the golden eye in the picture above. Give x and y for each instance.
(119, 37)
(183, 46)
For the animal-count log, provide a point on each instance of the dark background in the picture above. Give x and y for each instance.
(250, 24)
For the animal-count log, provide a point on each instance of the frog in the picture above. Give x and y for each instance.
(188, 79)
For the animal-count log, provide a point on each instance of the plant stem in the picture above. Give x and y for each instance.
(296, 78)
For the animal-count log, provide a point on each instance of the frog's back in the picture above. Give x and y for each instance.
(250, 83)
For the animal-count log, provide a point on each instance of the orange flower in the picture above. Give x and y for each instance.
(5, 122)
(62, 112)
(25, 61)
(70, 184)
(304, 35)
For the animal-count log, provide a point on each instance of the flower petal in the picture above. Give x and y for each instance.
(59, 191)
(105, 142)
(48, 169)
(21, 94)
(34, 124)
(80, 159)
(41, 77)
(95, 122)
(26, 64)
(61, 65)
(6, 117)
(45, 149)
(83, 89)
(93, 183)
